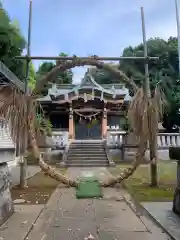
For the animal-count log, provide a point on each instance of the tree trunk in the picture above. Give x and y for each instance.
(153, 149)
(154, 173)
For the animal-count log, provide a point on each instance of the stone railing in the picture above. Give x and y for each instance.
(60, 138)
(116, 139)
(61, 143)
(7, 155)
(7, 146)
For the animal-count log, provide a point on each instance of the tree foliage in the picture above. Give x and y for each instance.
(163, 72)
(32, 76)
(102, 76)
(166, 65)
(62, 78)
(12, 44)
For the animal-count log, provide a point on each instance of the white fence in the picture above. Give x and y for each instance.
(7, 146)
(6, 141)
(164, 140)
(60, 138)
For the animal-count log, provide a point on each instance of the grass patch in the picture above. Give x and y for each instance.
(40, 187)
(139, 184)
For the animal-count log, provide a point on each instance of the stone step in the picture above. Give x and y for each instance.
(104, 158)
(87, 165)
(84, 157)
(87, 144)
(87, 162)
(86, 154)
(86, 147)
(88, 151)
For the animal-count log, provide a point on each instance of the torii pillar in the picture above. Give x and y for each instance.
(104, 124)
(71, 123)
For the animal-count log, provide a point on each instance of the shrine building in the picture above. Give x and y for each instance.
(86, 110)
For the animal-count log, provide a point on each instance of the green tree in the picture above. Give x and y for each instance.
(12, 44)
(63, 77)
(32, 77)
(163, 71)
(103, 77)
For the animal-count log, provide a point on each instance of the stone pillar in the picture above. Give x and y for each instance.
(176, 199)
(6, 204)
(104, 124)
(71, 124)
(178, 173)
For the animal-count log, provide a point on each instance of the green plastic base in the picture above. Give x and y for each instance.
(89, 188)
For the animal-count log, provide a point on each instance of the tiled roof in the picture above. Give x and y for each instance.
(87, 83)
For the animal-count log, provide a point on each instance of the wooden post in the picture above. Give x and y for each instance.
(122, 147)
(71, 123)
(104, 124)
(152, 145)
(23, 165)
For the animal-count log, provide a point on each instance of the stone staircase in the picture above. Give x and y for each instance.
(7, 146)
(6, 141)
(87, 154)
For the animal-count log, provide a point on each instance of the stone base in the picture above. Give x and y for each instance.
(112, 164)
(176, 201)
(62, 164)
(6, 204)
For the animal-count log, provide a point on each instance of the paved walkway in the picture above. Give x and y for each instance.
(100, 173)
(162, 212)
(68, 218)
(110, 218)
(18, 226)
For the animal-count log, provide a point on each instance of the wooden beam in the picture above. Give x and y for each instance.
(55, 111)
(85, 58)
(87, 110)
(116, 113)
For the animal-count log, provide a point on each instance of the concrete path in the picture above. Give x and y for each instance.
(21, 222)
(100, 173)
(110, 218)
(163, 214)
(67, 218)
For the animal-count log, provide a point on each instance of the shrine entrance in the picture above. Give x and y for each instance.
(88, 126)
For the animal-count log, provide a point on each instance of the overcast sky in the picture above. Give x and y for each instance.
(88, 27)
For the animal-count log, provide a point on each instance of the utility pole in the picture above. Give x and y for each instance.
(178, 29)
(23, 168)
(152, 145)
